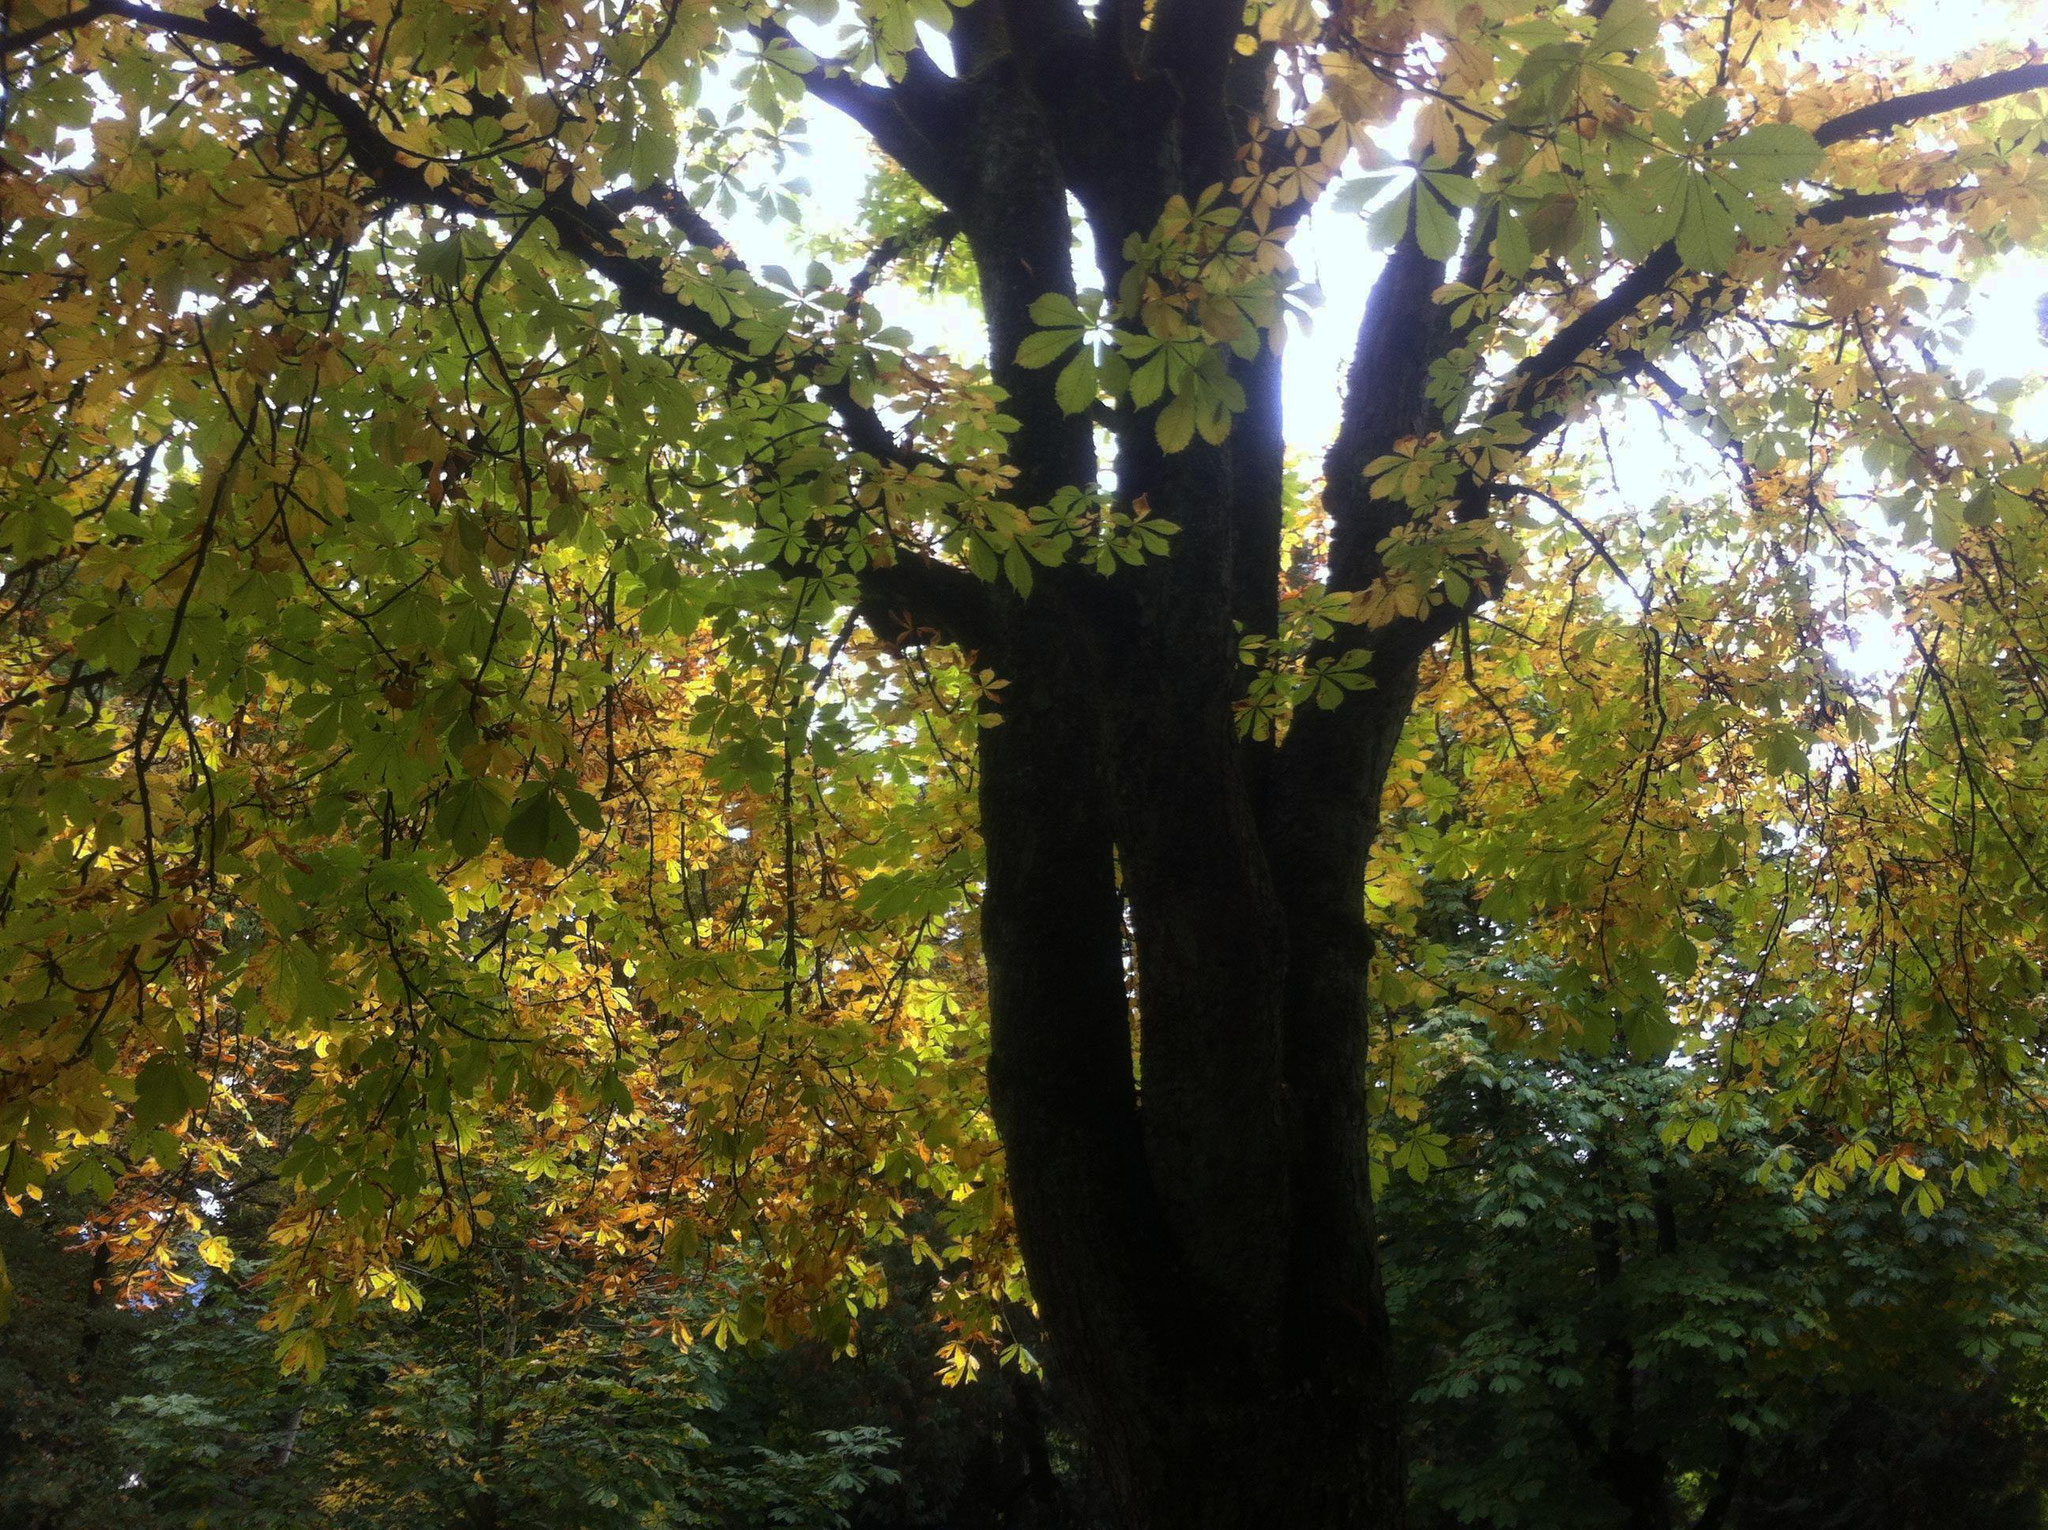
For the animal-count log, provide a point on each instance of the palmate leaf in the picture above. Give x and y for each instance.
(470, 815)
(1043, 347)
(1706, 226)
(1774, 154)
(166, 1088)
(1436, 223)
(539, 826)
(1076, 386)
(1627, 26)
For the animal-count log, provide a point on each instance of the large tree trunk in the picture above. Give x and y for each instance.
(1178, 956)
(1174, 916)
(1179, 1074)
(1198, 1228)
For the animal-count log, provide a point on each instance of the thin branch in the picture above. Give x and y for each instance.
(943, 230)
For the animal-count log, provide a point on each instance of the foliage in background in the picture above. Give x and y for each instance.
(1601, 1326)
(508, 1397)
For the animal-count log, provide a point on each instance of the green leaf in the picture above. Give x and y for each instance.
(1459, 190)
(1436, 226)
(469, 815)
(166, 1089)
(751, 1318)
(1043, 347)
(1651, 1033)
(1511, 246)
(1679, 957)
(682, 1245)
(981, 558)
(1776, 154)
(1706, 228)
(1626, 83)
(1075, 387)
(1705, 117)
(1057, 311)
(583, 807)
(1785, 752)
(540, 827)
(1149, 381)
(441, 260)
(1017, 569)
(1175, 425)
(1628, 27)
(1387, 226)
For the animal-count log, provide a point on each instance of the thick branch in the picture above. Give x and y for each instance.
(1876, 204)
(1034, 24)
(1395, 340)
(1055, 51)
(917, 121)
(71, 21)
(1654, 275)
(665, 198)
(917, 596)
(1385, 399)
(1900, 111)
(1194, 40)
(1569, 345)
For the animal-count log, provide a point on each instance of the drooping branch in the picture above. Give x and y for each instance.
(932, 592)
(1656, 274)
(936, 595)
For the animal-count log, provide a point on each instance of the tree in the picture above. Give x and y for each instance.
(407, 479)
(1599, 1326)
(507, 1396)
(66, 1356)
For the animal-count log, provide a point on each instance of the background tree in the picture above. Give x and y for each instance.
(1600, 1326)
(65, 1358)
(406, 480)
(505, 1397)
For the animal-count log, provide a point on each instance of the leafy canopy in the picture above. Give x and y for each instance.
(472, 672)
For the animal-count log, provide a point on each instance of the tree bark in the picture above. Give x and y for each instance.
(1195, 1214)
(1174, 915)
